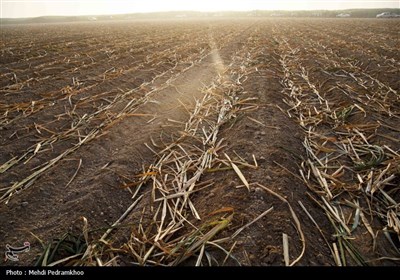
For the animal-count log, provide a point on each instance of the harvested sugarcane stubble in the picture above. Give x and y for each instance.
(346, 110)
(370, 162)
(179, 170)
(85, 120)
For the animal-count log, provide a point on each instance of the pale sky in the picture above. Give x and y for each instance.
(34, 8)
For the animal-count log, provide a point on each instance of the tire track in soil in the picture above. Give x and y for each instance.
(48, 209)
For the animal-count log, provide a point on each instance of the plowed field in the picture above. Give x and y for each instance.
(201, 142)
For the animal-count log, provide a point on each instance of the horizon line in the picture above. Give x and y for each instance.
(197, 11)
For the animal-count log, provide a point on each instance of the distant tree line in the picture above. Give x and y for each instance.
(353, 13)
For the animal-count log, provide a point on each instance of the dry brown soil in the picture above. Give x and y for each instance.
(67, 80)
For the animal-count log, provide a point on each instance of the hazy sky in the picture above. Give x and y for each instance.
(34, 8)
